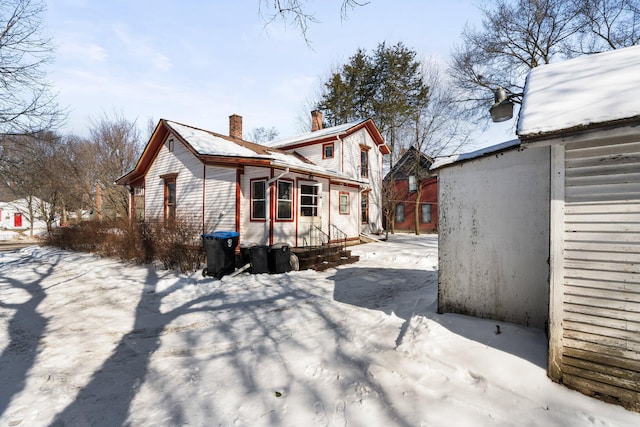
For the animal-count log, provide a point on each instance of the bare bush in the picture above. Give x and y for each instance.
(176, 244)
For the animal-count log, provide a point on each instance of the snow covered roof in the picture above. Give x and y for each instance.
(458, 158)
(318, 134)
(212, 144)
(204, 143)
(589, 90)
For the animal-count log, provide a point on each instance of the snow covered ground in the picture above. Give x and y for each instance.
(87, 341)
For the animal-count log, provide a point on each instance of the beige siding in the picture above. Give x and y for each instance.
(189, 191)
(601, 271)
(220, 199)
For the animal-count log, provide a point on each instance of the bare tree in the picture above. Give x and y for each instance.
(296, 12)
(263, 134)
(518, 35)
(26, 102)
(32, 170)
(606, 25)
(116, 146)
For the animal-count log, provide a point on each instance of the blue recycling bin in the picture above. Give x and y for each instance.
(220, 247)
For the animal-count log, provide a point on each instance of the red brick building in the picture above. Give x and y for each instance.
(412, 194)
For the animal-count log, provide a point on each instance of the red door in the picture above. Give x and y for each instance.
(17, 220)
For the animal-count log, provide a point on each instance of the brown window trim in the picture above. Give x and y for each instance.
(324, 146)
(266, 192)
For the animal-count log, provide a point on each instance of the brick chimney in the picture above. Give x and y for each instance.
(235, 126)
(316, 120)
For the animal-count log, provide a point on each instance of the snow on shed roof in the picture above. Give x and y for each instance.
(583, 91)
(441, 162)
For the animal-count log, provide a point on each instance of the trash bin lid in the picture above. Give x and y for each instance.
(221, 234)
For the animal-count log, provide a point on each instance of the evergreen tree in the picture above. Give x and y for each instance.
(387, 86)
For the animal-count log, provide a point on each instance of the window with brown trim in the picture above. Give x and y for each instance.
(364, 163)
(285, 200)
(170, 198)
(364, 208)
(343, 203)
(327, 151)
(259, 199)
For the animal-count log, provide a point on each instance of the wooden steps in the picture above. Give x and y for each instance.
(323, 258)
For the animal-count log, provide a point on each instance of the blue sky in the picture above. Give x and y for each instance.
(198, 62)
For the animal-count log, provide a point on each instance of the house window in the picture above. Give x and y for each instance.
(327, 151)
(308, 200)
(412, 184)
(400, 213)
(285, 200)
(344, 203)
(170, 143)
(425, 213)
(258, 199)
(170, 198)
(138, 203)
(364, 162)
(364, 208)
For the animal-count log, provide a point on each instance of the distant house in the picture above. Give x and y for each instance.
(299, 190)
(568, 191)
(23, 214)
(413, 189)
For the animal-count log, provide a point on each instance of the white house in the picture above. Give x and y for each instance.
(23, 214)
(323, 183)
(569, 189)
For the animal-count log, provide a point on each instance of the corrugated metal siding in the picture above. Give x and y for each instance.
(601, 298)
(220, 199)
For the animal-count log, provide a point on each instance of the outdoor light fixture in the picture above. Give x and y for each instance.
(502, 109)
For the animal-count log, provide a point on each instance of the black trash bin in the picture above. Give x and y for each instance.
(220, 247)
(258, 259)
(280, 258)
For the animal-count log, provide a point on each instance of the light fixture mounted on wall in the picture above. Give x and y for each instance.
(502, 109)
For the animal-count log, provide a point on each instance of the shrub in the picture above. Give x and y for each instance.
(175, 244)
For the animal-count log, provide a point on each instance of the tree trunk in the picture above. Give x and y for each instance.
(416, 209)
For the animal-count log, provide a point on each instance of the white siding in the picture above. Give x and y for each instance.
(252, 231)
(188, 184)
(600, 278)
(494, 237)
(220, 199)
(352, 149)
(315, 152)
(349, 224)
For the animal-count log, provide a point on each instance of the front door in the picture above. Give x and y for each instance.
(17, 220)
(310, 213)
